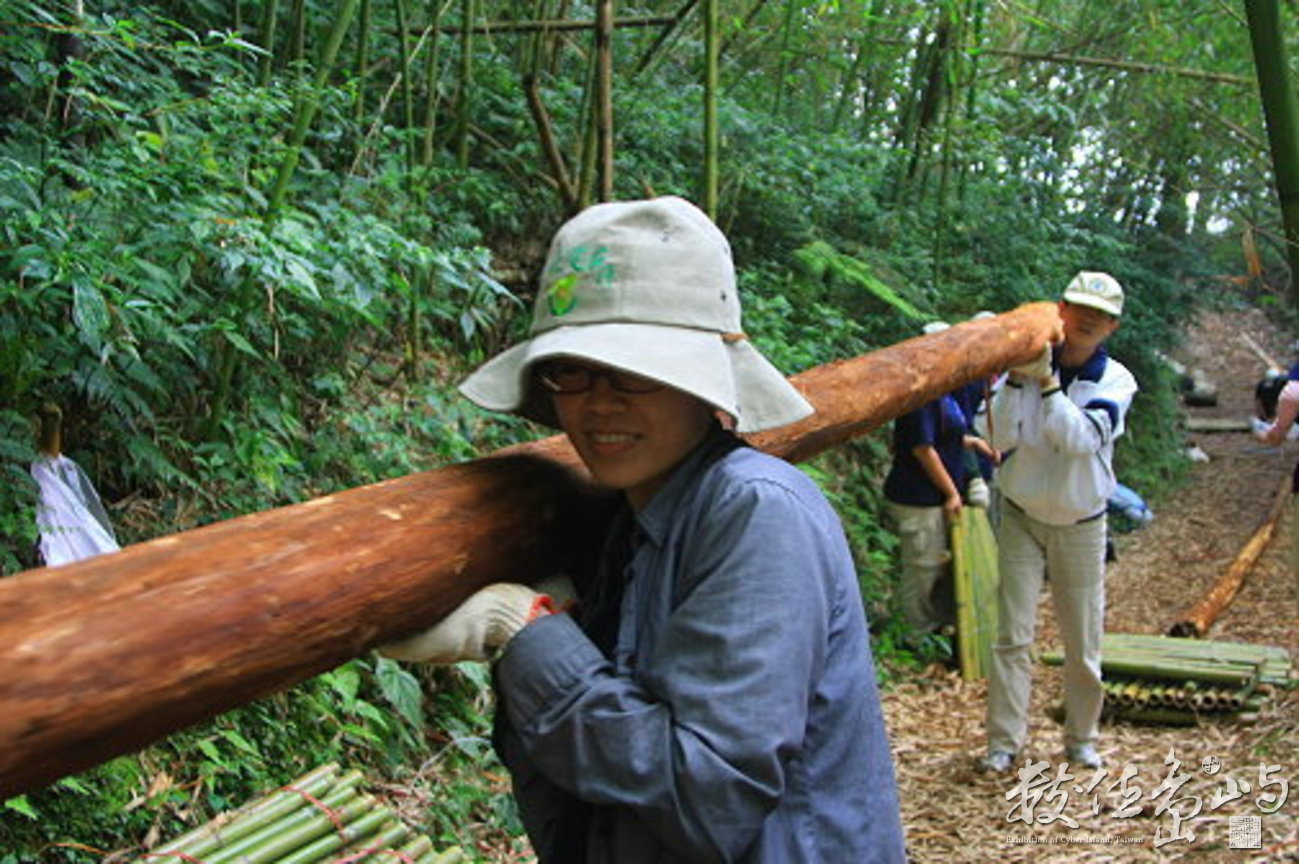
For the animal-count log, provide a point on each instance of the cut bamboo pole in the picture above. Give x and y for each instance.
(1200, 617)
(328, 822)
(974, 552)
(368, 829)
(109, 654)
(241, 830)
(265, 810)
(277, 840)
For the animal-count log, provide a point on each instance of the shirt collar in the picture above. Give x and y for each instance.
(657, 516)
(1091, 370)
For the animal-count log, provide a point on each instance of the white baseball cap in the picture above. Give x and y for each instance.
(646, 287)
(1097, 290)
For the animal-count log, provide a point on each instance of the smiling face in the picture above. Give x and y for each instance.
(1085, 328)
(631, 440)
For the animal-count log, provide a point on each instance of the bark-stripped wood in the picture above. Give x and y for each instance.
(106, 655)
(1200, 617)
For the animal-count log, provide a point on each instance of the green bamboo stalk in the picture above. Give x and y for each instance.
(453, 855)
(1281, 112)
(962, 578)
(1216, 653)
(275, 841)
(417, 847)
(363, 828)
(332, 799)
(238, 823)
(307, 107)
(431, 76)
(407, 92)
(390, 832)
(712, 148)
(1195, 647)
(1156, 666)
(1194, 668)
(266, 32)
(360, 66)
(464, 92)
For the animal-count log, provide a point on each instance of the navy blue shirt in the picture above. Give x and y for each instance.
(733, 714)
(941, 424)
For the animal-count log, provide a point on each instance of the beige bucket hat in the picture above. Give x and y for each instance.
(647, 287)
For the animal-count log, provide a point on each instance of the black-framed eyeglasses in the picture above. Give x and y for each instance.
(564, 378)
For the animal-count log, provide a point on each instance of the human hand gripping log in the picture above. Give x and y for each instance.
(480, 628)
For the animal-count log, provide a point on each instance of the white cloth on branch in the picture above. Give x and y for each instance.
(72, 520)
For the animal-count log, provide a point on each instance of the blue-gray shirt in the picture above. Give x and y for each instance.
(736, 717)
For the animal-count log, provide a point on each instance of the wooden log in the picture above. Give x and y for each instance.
(109, 654)
(853, 397)
(1200, 617)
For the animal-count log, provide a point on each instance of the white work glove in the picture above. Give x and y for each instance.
(477, 629)
(1037, 368)
(977, 494)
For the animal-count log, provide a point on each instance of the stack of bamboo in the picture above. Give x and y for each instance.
(1167, 680)
(319, 817)
(974, 570)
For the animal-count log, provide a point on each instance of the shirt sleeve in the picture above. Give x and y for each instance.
(919, 427)
(1003, 430)
(693, 747)
(1088, 428)
(1287, 410)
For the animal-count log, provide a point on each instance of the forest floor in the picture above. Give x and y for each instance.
(954, 813)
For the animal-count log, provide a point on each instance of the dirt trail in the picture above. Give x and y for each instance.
(954, 813)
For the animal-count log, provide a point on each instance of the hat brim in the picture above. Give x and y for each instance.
(1078, 298)
(730, 376)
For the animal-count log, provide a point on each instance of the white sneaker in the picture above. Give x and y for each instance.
(1082, 755)
(997, 762)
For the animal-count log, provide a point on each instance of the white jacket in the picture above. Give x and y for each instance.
(1061, 468)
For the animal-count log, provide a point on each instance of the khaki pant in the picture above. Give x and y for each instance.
(926, 561)
(1073, 556)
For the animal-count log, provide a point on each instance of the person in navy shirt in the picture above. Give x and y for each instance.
(923, 488)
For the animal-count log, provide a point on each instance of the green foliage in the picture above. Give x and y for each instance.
(368, 714)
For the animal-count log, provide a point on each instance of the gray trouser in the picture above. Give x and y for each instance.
(1074, 558)
(922, 536)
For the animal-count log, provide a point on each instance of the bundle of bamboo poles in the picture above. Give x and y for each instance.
(975, 573)
(322, 816)
(1168, 680)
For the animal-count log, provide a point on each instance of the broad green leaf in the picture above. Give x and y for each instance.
(23, 806)
(402, 689)
(89, 309)
(237, 339)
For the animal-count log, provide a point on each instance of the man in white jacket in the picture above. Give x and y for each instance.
(1057, 418)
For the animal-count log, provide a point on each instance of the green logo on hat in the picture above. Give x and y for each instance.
(561, 295)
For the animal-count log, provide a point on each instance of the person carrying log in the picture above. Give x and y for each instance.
(710, 694)
(1274, 434)
(1057, 419)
